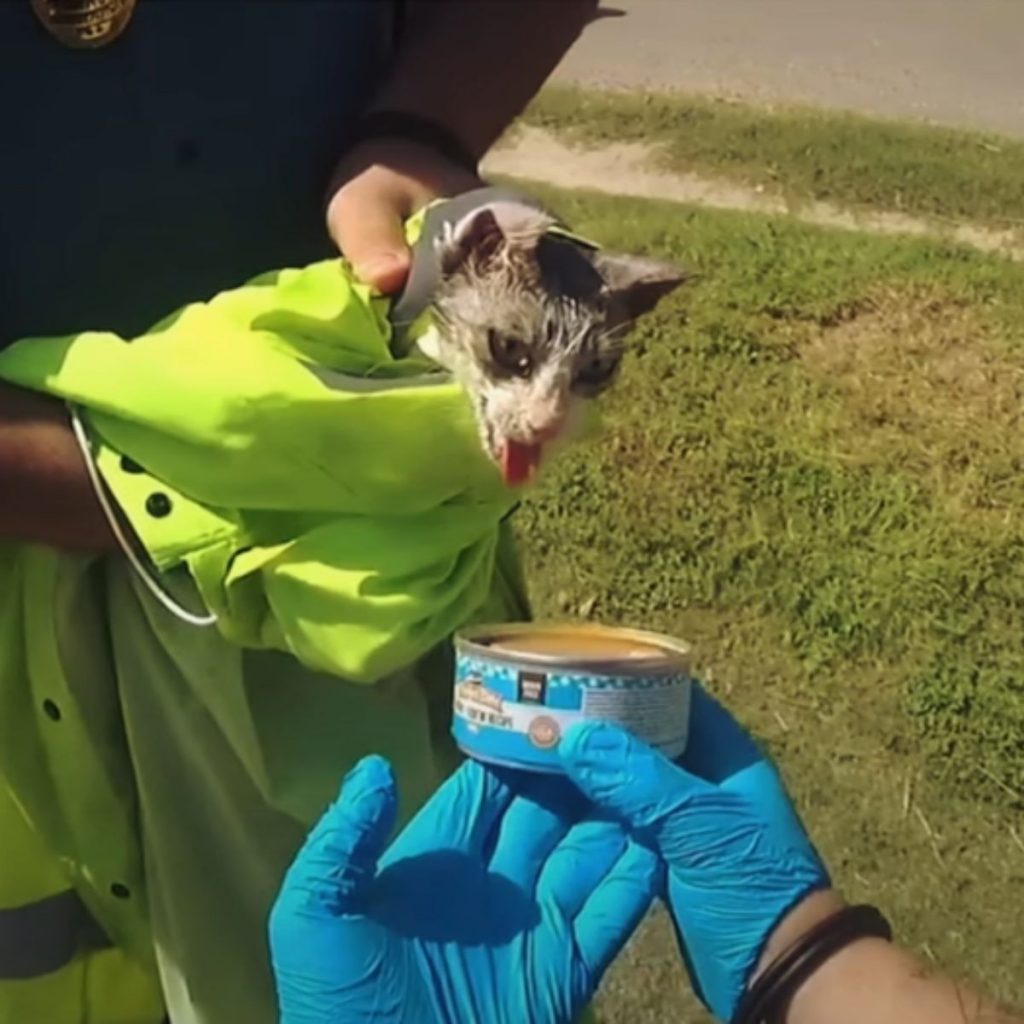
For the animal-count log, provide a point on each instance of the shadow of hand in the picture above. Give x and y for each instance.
(446, 896)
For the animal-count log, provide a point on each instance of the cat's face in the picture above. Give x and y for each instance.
(533, 327)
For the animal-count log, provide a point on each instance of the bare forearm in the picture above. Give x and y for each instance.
(474, 64)
(45, 493)
(875, 981)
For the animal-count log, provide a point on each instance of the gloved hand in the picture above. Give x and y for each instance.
(737, 856)
(496, 904)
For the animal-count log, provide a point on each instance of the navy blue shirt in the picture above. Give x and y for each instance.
(183, 158)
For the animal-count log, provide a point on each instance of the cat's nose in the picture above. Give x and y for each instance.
(547, 429)
(542, 430)
(544, 419)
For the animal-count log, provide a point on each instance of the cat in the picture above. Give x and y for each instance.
(531, 323)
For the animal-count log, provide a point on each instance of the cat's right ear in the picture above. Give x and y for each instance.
(476, 241)
(637, 283)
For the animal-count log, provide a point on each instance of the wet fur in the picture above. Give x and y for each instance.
(567, 308)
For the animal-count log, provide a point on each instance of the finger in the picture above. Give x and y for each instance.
(762, 787)
(720, 751)
(616, 907)
(339, 858)
(538, 819)
(462, 815)
(367, 225)
(579, 863)
(624, 777)
(717, 747)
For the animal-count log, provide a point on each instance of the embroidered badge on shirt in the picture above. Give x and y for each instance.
(84, 24)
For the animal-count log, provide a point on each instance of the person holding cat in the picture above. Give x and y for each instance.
(159, 769)
(509, 894)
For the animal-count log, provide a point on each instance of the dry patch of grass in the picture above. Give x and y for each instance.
(928, 388)
(921, 362)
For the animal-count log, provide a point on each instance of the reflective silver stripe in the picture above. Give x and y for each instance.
(337, 381)
(425, 272)
(42, 937)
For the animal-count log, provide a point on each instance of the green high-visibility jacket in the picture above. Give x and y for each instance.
(331, 504)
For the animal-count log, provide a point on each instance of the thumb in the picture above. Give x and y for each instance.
(338, 861)
(624, 777)
(368, 230)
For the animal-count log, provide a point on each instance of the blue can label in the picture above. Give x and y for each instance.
(517, 716)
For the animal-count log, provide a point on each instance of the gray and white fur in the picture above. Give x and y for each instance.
(533, 325)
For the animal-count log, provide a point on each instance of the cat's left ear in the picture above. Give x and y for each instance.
(477, 239)
(637, 284)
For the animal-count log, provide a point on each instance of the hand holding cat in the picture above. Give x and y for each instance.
(384, 182)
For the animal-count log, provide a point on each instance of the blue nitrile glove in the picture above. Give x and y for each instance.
(737, 855)
(496, 904)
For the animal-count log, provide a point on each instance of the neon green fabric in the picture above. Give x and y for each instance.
(338, 513)
(352, 525)
(95, 987)
(67, 805)
(184, 771)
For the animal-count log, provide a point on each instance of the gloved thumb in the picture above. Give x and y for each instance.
(624, 777)
(338, 861)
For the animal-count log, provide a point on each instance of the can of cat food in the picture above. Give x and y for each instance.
(519, 687)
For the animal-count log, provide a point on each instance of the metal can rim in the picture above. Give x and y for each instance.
(673, 656)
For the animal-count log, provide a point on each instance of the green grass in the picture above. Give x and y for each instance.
(805, 154)
(812, 469)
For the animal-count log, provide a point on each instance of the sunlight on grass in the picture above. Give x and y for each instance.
(805, 154)
(812, 470)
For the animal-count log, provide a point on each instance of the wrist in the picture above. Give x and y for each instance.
(869, 979)
(812, 924)
(408, 173)
(829, 993)
(808, 913)
(400, 124)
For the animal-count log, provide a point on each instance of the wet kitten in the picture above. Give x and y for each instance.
(533, 324)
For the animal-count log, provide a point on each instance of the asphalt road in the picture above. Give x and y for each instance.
(956, 62)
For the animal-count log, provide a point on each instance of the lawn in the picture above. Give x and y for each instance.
(812, 470)
(805, 154)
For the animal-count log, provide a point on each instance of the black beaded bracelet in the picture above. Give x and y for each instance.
(767, 1000)
(399, 124)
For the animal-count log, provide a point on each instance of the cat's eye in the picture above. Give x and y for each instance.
(596, 372)
(510, 354)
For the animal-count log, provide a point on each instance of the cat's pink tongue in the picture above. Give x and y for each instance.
(519, 462)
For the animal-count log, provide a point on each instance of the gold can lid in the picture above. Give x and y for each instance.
(584, 647)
